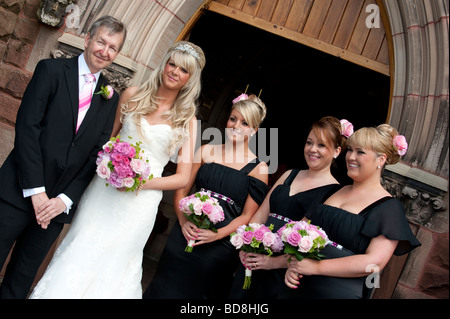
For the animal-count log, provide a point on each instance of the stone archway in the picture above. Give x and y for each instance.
(419, 44)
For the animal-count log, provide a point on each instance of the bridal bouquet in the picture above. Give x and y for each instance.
(202, 210)
(303, 240)
(256, 238)
(123, 165)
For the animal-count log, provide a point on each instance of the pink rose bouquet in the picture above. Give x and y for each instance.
(123, 165)
(202, 210)
(256, 238)
(303, 240)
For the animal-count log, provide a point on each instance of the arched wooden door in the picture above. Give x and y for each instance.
(322, 33)
(349, 29)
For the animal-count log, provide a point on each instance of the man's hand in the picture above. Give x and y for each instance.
(37, 201)
(49, 210)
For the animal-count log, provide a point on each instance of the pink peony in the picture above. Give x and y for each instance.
(197, 206)
(241, 229)
(115, 180)
(207, 207)
(216, 215)
(400, 144)
(259, 234)
(278, 245)
(237, 240)
(248, 236)
(108, 92)
(103, 170)
(241, 97)
(284, 234)
(124, 148)
(305, 244)
(268, 239)
(138, 166)
(128, 182)
(294, 238)
(347, 128)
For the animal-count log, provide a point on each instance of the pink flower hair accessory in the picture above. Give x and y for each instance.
(346, 128)
(241, 97)
(400, 144)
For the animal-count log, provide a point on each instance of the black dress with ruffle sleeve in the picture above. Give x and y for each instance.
(353, 232)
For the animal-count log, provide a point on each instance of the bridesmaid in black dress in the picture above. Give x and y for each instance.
(363, 217)
(291, 196)
(235, 176)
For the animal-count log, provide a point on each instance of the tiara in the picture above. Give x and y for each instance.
(187, 48)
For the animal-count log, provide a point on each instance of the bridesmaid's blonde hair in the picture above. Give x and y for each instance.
(252, 109)
(378, 139)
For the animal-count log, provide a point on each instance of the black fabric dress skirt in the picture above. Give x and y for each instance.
(207, 271)
(284, 208)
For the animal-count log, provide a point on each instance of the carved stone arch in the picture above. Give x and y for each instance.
(419, 71)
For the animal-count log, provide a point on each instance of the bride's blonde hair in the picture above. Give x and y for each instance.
(185, 55)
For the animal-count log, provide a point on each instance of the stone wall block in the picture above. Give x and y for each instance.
(9, 108)
(3, 46)
(7, 23)
(14, 6)
(14, 81)
(439, 255)
(17, 53)
(417, 259)
(434, 281)
(27, 30)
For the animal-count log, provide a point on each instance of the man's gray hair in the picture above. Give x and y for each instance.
(112, 24)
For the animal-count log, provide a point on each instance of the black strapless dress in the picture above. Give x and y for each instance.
(284, 208)
(206, 272)
(354, 232)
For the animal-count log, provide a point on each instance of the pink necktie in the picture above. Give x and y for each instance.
(85, 98)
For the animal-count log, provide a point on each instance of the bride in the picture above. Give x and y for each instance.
(101, 255)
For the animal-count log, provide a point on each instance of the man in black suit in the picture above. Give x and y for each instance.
(53, 160)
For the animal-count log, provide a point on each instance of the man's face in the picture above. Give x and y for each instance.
(101, 48)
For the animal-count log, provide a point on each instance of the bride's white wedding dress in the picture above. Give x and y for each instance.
(101, 255)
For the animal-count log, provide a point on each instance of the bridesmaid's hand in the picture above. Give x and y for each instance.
(242, 256)
(190, 231)
(306, 267)
(206, 236)
(256, 261)
(292, 278)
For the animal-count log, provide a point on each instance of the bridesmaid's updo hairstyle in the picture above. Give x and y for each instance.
(329, 127)
(252, 109)
(378, 139)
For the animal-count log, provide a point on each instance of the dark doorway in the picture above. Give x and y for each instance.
(299, 84)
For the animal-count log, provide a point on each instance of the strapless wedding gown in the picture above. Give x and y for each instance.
(101, 255)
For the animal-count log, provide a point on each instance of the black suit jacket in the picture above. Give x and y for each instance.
(47, 151)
